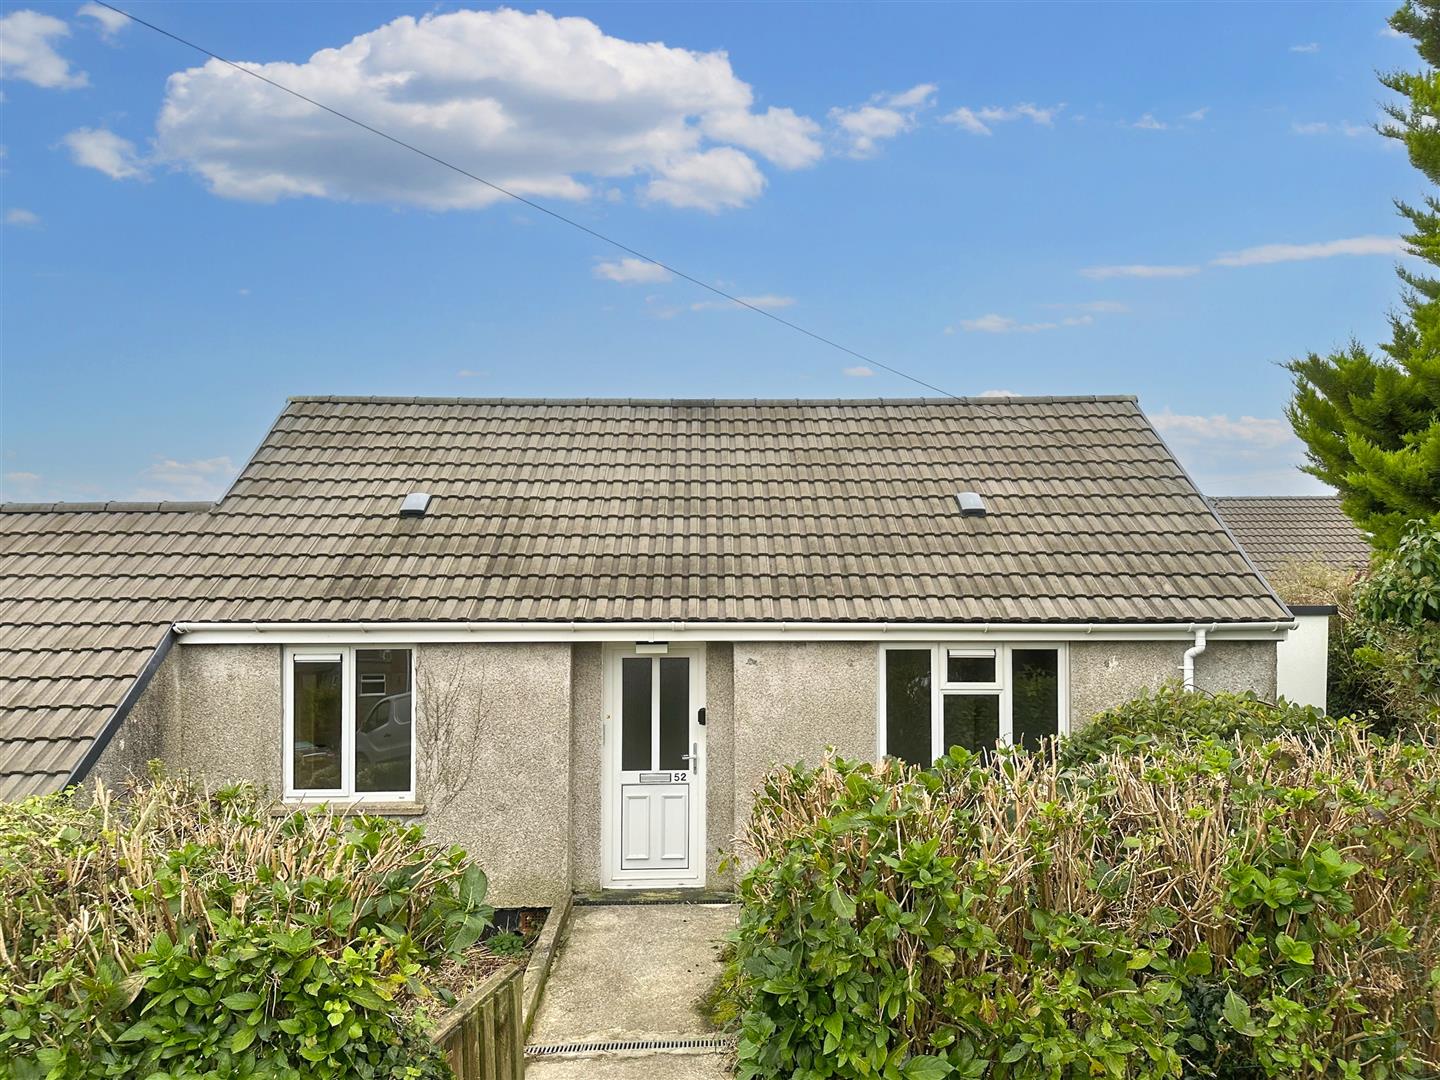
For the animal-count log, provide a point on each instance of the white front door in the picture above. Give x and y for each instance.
(653, 832)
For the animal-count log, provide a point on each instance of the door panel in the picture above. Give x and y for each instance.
(655, 827)
(655, 831)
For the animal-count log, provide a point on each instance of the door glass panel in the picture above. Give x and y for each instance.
(383, 727)
(907, 705)
(317, 690)
(972, 721)
(674, 712)
(1036, 702)
(635, 713)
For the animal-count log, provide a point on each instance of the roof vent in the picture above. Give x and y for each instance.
(971, 504)
(415, 504)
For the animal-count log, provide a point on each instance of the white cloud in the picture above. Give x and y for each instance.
(980, 121)
(468, 373)
(1102, 307)
(630, 271)
(1137, 270)
(27, 51)
(198, 480)
(916, 97)
(1389, 31)
(1004, 324)
(1276, 253)
(718, 179)
(998, 393)
(1149, 123)
(108, 21)
(767, 302)
(859, 371)
(1261, 432)
(25, 219)
(97, 148)
(1307, 47)
(547, 107)
(864, 127)
(25, 481)
(1197, 115)
(1321, 127)
(1239, 455)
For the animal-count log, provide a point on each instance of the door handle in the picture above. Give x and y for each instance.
(692, 759)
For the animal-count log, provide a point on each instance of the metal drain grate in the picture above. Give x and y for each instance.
(712, 1043)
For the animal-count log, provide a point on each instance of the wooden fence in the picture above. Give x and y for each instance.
(483, 1037)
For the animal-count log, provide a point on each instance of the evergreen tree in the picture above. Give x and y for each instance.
(1371, 423)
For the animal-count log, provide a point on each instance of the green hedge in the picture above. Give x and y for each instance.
(179, 934)
(1197, 906)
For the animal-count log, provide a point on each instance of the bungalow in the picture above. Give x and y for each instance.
(573, 634)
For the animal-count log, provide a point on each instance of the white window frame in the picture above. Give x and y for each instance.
(940, 689)
(349, 697)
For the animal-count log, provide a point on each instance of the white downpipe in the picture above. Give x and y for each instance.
(1190, 654)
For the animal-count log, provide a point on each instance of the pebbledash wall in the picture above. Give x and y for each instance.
(523, 796)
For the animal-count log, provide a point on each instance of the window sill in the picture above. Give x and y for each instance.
(352, 809)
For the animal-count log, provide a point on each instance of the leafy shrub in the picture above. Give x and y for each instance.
(1170, 714)
(177, 934)
(506, 943)
(1201, 907)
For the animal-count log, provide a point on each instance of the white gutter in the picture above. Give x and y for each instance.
(1191, 653)
(303, 633)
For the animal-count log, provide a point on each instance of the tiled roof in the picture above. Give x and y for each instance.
(1277, 530)
(73, 633)
(615, 510)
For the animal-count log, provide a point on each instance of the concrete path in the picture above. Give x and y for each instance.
(631, 973)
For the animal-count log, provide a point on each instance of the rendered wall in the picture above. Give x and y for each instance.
(521, 752)
(586, 720)
(1302, 661)
(793, 699)
(507, 746)
(140, 738)
(1104, 674)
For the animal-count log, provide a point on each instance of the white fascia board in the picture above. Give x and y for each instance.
(400, 633)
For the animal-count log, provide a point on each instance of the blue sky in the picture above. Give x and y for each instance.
(1167, 200)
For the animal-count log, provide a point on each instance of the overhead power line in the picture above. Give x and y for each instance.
(530, 203)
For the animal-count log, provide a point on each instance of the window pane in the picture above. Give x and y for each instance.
(1036, 695)
(674, 712)
(383, 725)
(635, 713)
(972, 721)
(907, 705)
(317, 725)
(960, 668)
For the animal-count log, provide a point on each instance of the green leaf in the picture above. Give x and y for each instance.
(243, 1038)
(1237, 1014)
(241, 1001)
(926, 1067)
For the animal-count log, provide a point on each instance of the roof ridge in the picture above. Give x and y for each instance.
(990, 399)
(112, 507)
(1271, 498)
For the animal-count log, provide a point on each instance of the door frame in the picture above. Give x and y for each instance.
(611, 876)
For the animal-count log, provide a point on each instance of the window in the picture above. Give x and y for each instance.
(933, 697)
(349, 724)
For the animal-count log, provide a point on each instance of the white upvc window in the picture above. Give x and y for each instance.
(933, 697)
(349, 727)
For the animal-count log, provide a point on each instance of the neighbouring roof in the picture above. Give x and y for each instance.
(620, 511)
(81, 612)
(1281, 530)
